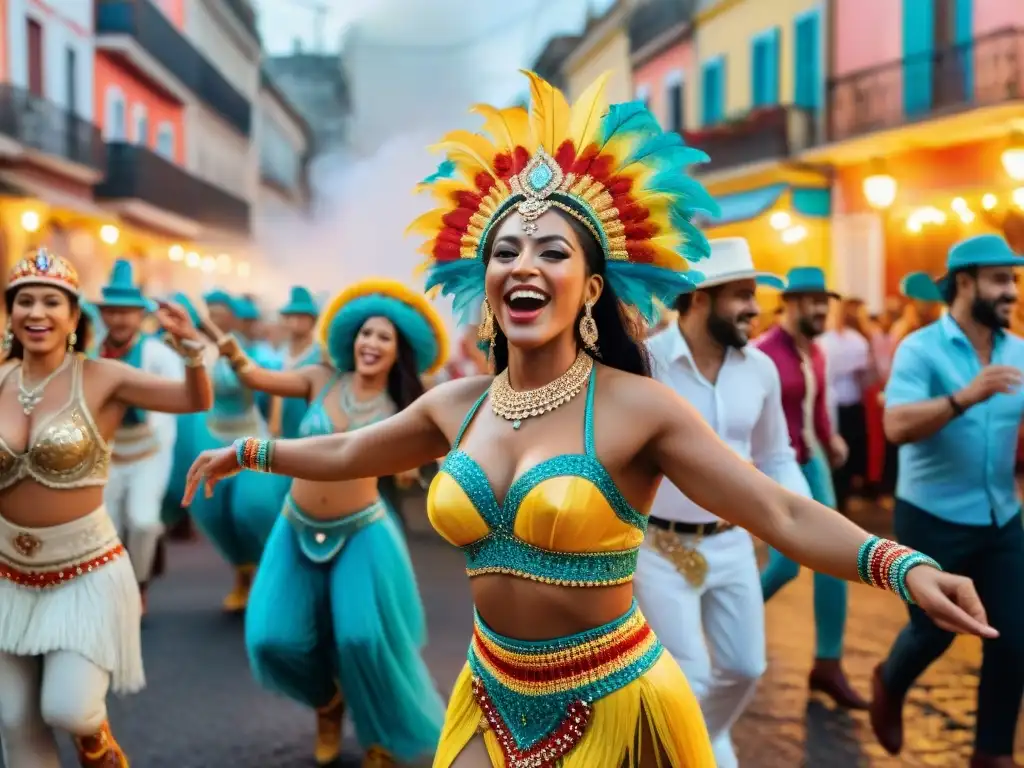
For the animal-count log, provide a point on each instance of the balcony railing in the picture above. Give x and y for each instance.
(147, 25)
(986, 71)
(137, 173)
(774, 133)
(42, 125)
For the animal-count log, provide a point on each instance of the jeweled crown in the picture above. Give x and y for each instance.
(44, 268)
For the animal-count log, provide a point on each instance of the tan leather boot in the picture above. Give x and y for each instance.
(328, 731)
(238, 597)
(100, 750)
(378, 757)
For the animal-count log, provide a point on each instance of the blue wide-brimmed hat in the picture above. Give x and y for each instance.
(246, 309)
(186, 303)
(121, 292)
(920, 286)
(300, 303)
(978, 251)
(804, 280)
(223, 298)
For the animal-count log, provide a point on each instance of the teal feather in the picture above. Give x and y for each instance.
(688, 193)
(627, 119)
(639, 284)
(463, 280)
(695, 245)
(664, 151)
(445, 170)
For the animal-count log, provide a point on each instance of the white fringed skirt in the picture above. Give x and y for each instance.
(72, 587)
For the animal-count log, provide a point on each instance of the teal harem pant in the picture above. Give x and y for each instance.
(829, 592)
(338, 601)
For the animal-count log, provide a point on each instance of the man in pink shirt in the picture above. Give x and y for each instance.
(801, 366)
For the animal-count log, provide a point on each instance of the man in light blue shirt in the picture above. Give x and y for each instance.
(954, 404)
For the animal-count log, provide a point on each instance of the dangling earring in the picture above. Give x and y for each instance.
(8, 340)
(588, 328)
(72, 340)
(486, 331)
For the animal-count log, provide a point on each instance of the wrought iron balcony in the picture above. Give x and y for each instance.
(774, 133)
(34, 122)
(147, 26)
(136, 173)
(986, 71)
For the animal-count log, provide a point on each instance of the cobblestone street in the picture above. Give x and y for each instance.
(202, 710)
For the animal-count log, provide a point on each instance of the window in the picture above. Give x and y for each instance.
(140, 125)
(764, 66)
(807, 61)
(675, 101)
(115, 118)
(35, 58)
(71, 81)
(643, 93)
(713, 91)
(165, 140)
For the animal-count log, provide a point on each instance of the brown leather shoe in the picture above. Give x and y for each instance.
(238, 598)
(991, 761)
(377, 757)
(100, 750)
(328, 731)
(827, 677)
(886, 715)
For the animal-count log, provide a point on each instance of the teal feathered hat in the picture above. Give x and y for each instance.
(121, 292)
(410, 313)
(300, 303)
(612, 169)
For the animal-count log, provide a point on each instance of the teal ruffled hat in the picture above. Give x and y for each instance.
(301, 302)
(121, 292)
(978, 251)
(803, 280)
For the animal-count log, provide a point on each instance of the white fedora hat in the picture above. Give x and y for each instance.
(731, 260)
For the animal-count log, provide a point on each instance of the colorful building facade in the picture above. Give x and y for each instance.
(603, 47)
(662, 58)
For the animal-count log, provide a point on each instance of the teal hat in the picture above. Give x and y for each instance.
(801, 280)
(246, 309)
(979, 251)
(121, 292)
(188, 306)
(920, 286)
(300, 303)
(221, 297)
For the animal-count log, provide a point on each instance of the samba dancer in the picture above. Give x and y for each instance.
(300, 350)
(378, 337)
(695, 571)
(551, 222)
(143, 449)
(239, 516)
(69, 598)
(802, 371)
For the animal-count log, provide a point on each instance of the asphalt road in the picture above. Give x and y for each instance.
(202, 710)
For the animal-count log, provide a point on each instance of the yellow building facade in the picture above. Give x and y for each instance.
(603, 48)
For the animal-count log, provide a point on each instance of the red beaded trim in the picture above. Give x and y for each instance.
(249, 453)
(64, 574)
(875, 562)
(546, 752)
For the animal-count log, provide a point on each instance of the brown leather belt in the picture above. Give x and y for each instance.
(690, 529)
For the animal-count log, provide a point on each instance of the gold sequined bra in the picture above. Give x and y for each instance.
(66, 451)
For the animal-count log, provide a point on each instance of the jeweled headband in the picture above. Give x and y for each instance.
(611, 168)
(44, 268)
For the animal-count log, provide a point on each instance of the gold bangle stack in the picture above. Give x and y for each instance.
(191, 352)
(232, 350)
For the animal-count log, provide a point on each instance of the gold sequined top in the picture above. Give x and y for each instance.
(66, 451)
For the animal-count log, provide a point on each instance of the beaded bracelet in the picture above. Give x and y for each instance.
(885, 564)
(254, 453)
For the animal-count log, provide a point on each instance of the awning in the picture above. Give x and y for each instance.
(15, 184)
(812, 202)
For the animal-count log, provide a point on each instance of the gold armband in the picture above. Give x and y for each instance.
(191, 352)
(232, 350)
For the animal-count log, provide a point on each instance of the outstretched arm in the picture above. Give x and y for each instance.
(152, 392)
(296, 383)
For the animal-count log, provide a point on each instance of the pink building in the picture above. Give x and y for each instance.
(662, 56)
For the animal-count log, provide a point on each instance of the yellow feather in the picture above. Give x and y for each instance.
(510, 125)
(466, 147)
(586, 113)
(550, 113)
(427, 224)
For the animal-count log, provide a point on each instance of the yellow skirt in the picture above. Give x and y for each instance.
(583, 701)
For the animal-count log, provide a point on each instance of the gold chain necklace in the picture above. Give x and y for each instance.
(517, 406)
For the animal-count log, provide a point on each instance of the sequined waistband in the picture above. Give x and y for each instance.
(537, 695)
(230, 427)
(322, 540)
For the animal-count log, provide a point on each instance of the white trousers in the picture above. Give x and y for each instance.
(715, 631)
(134, 497)
(62, 690)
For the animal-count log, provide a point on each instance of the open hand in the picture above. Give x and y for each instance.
(175, 320)
(949, 600)
(209, 468)
(838, 451)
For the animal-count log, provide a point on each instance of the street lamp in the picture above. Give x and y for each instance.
(1013, 157)
(880, 189)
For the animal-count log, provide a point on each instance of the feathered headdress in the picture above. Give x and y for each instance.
(612, 169)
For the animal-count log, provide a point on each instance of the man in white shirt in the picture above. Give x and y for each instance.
(697, 578)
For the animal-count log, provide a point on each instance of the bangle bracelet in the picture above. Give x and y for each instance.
(958, 410)
(885, 564)
(254, 453)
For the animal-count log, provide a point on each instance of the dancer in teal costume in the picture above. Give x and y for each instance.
(301, 349)
(263, 354)
(335, 616)
(239, 515)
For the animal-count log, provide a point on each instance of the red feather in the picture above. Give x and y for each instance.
(521, 158)
(565, 156)
(582, 164)
(633, 212)
(446, 251)
(641, 231)
(458, 219)
(639, 252)
(469, 200)
(504, 166)
(484, 181)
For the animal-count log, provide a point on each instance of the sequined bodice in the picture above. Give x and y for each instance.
(316, 420)
(231, 398)
(65, 451)
(563, 521)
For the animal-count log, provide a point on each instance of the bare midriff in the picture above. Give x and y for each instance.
(331, 501)
(31, 505)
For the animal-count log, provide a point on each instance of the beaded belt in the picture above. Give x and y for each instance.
(537, 695)
(322, 540)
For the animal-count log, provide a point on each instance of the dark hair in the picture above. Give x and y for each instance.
(949, 289)
(684, 301)
(617, 332)
(83, 331)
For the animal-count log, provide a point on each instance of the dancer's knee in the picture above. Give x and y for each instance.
(74, 694)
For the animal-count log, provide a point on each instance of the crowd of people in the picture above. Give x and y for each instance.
(604, 481)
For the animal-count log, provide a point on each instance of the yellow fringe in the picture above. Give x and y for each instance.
(660, 702)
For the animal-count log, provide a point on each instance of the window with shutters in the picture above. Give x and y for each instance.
(713, 91)
(807, 61)
(675, 101)
(764, 65)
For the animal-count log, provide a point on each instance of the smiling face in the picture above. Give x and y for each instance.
(376, 347)
(537, 284)
(42, 318)
(122, 323)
